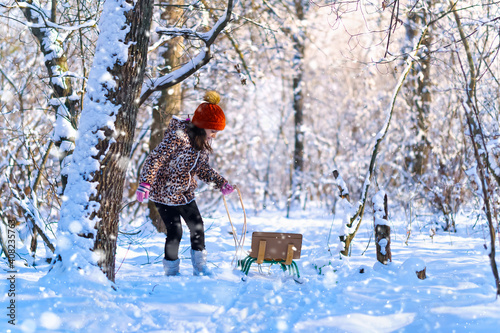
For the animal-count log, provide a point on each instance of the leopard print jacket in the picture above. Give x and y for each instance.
(170, 168)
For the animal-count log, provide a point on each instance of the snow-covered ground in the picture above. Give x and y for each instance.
(457, 296)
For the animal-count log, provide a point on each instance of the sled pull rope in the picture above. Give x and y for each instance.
(238, 244)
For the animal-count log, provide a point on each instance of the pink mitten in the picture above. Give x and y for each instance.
(142, 192)
(227, 189)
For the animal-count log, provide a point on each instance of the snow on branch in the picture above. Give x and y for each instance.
(47, 23)
(383, 131)
(181, 32)
(196, 63)
(379, 201)
(344, 191)
(31, 211)
(49, 39)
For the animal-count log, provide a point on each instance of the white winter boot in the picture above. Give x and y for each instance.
(199, 260)
(171, 267)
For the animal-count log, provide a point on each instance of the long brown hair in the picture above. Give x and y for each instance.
(198, 138)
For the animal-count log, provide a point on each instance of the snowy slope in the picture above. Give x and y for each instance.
(458, 295)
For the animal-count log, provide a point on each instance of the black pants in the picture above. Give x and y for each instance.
(171, 216)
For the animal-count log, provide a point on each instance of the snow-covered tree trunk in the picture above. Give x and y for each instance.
(419, 85)
(63, 100)
(89, 215)
(344, 213)
(382, 228)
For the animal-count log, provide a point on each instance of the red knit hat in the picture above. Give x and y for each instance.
(209, 115)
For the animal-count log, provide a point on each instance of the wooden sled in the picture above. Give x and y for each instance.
(274, 248)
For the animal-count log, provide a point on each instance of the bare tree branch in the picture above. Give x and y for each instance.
(195, 64)
(354, 221)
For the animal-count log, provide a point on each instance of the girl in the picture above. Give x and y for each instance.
(168, 173)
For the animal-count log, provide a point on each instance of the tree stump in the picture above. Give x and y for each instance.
(382, 228)
(421, 274)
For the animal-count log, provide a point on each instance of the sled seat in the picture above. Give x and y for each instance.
(274, 248)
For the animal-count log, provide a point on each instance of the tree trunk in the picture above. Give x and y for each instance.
(57, 67)
(90, 215)
(420, 92)
(169, 103)
(298, 108)
(382, 228)
(299, 47)
(118, 143)
(65, 107)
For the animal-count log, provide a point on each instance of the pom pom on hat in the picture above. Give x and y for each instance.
(209, 115)
(212, 97)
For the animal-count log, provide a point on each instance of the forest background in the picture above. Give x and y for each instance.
(400, 96)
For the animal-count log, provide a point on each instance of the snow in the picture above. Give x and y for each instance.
(63, 128)
(378, 206)
(51, 41)
(355, 294)
(175, 75)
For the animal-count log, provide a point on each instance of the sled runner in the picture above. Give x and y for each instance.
(274, 248)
